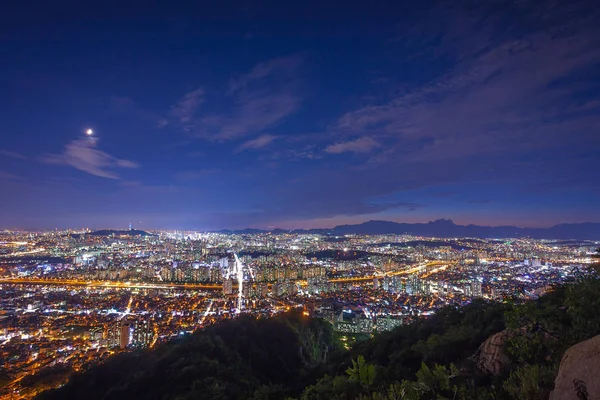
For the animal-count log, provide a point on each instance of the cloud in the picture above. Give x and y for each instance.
(254, 102)
(119, 104)
(277, 66)
(251, 115)
(257, 143)
(185, 109)
(294, 154)
(83, 155)
(124, 105)
(360, 145)
(507, 93)
(12, 154)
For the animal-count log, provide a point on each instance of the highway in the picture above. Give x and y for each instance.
(417, 269)
(207, 286)
(111, 284)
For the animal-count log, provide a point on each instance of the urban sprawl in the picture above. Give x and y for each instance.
(71, 299)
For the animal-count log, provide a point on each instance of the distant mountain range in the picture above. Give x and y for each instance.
(446, 228)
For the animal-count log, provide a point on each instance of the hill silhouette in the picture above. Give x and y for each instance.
(446, 228)
(235, 359)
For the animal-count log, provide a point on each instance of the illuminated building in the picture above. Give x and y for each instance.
(476, 289)
(124, 335)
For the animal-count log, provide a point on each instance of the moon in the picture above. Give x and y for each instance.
(89, 132)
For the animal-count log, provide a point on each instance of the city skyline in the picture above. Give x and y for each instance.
(71, 301)
(308, 115)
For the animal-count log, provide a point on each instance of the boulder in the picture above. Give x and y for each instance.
(490, 357)
(579, 373)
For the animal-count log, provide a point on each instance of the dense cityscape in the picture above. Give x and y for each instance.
(72, 299)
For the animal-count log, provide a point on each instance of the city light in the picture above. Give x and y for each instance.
(68, 292)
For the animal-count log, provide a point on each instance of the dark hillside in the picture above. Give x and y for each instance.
(231, 360)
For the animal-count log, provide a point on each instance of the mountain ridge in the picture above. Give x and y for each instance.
(447, 228)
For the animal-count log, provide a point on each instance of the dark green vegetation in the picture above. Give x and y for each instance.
(295, 357)
(451, 336)
(241, 359)
(431, 359)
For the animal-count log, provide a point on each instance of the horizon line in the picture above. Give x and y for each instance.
(268, 229)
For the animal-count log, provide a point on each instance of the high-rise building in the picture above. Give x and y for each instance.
(143, 334)
(112, 335)
(125, 335)
(228, 286)
(264, 289)
(468, 291)
(476, 289)
(494, 293)
(383, 324)
(292, 288)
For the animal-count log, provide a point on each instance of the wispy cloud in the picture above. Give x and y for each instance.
(83, 155)
(506, 93)
(120, 104)
(294, 154)
(12, 154)
(361, 145)
(185, 109)
(277, 66)
(254, 102)
(125, 105)
(257, 143)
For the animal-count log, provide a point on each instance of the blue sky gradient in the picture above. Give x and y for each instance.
(312, 114)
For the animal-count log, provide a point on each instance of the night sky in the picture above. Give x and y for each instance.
(299, 114)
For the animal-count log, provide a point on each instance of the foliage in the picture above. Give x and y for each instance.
(334, 388)
(47, 378)
(361, 372)
(434, 383)
(530, 382)
(246, 358)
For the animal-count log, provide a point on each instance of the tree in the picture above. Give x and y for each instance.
(530, 382)
(361, 372)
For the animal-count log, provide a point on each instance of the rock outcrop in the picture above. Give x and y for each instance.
(490, 357)
(579, 373)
